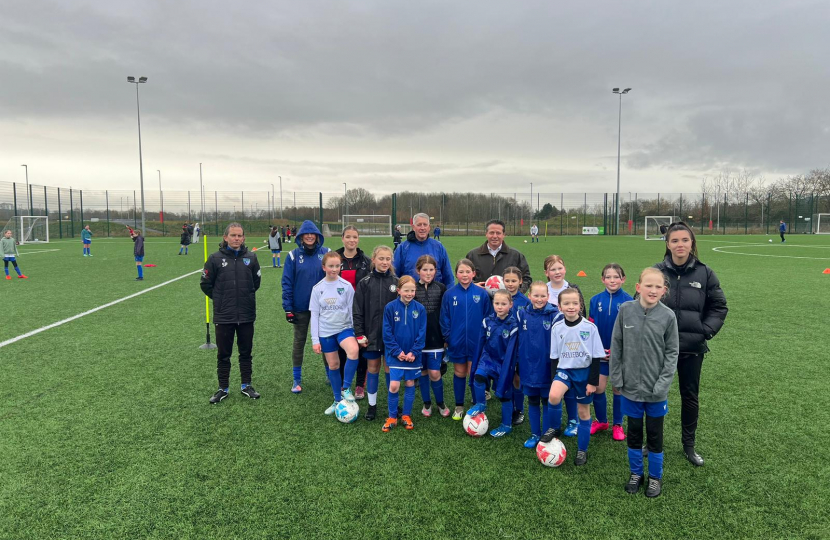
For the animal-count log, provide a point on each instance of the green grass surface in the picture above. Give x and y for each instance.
(106, 431)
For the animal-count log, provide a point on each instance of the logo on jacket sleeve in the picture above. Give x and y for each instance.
(246, 261)
(393, 288)
(584, 335)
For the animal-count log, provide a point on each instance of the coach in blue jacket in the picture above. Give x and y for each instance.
(303, 269)
(419, 243)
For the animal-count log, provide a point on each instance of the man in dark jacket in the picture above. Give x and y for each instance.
(492, 258)
(396, 237)
(231, 277)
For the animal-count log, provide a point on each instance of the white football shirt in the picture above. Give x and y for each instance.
(575, 346)
(331, 308)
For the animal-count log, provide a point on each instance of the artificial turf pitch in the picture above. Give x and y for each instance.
(106, 430)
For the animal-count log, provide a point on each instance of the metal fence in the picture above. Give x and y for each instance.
(108, 212)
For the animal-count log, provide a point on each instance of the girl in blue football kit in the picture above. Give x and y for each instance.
(533, 357)
(512, 282)
(463, 308)
(603, 312)
(332, 328)
(429, 293)
(496, 362)
(404, 335)
(575, 345)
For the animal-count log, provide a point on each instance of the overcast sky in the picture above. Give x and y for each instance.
(425, 95)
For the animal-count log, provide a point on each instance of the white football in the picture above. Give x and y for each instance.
(525, 241)
(551, 454)
(475, 426)
(770, 240)
(493, 284)
(346, 411)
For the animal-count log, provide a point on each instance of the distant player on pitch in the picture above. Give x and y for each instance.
(86, 238)
(10, 254)
(138, 253)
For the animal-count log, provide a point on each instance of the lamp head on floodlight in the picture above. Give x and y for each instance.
(132, 79)
(617, 91)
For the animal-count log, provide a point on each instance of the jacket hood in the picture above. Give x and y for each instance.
(549, 308)
(410, 237)
(307, 227)
(690, 264)
(243, 249)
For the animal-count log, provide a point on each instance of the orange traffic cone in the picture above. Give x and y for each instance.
(826, 271)
(583, 274)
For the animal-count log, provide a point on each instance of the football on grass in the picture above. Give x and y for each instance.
(346, 411)
(551, 454)
(493, 284)
(475, 426)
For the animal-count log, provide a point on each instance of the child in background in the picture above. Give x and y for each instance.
(331, 327)
(644, 351)
(185, 239)
(512, 282)
(404, 335)
(496, 362)
(463, 308)
(555, 271)
(10, 254)
(275, 245)
(533, 357)
(372, 294)
(86, 239)
(603, 313)
(429, 294)
(576, 345)
(138, 252)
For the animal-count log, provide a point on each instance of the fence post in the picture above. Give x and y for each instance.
(769, 196)
(605, 213)
(321, 210)
(46, 206)
(81, 194)
(561, 209)
(724, 213)
(71, 216)
(242, 221)
(702, 212)
(14, 191)
(681, 207)
(107, 200)
(795, 219)
(135, 214)
(746, 214)
(658, 204)
(163, 226)
(216, 202)
(60, 215)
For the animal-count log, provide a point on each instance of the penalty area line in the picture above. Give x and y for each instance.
(93, 310)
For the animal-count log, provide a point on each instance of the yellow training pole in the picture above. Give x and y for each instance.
(208, 344)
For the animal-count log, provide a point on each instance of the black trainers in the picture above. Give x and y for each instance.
(218, 396)
(250, 392)
(693, 457)
(581, 458)
(372, 413)
(550, 434)
(635, 481)
(518, 417)
(139, 279)
(655, 487)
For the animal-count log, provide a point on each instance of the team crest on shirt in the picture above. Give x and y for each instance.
(415, 314)
(340, 290)
(246, 261)
(599, 307)
(397, 319)
(301, 259)
(584, 335)
(455, 300)
(320, 256)
(393, 288)
(476, 298)
(546, 324)
(505, 333)
(224, 263)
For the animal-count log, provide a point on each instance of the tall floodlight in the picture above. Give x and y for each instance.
(619, 139)
(141, 80)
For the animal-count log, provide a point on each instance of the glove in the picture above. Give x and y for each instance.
(289, 317)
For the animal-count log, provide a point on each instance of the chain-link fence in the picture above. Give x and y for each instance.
(109, 212)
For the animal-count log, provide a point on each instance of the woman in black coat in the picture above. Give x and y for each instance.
(698, 302)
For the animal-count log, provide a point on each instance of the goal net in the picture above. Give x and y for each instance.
(369, 225)
(29, 229)
(821, 223)
(656, 226)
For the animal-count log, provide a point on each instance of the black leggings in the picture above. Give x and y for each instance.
(654, 432)
(6, 263)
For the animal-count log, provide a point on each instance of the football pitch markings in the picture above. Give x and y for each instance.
(93, 310)
(722, 249)
(38, 251)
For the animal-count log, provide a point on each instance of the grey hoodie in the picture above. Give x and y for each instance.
(644, 349)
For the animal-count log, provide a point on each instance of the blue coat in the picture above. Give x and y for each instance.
(498, 351)
(533, 349)
(406, 255)
(303, 270)
(603, 310)
(519, 301)
(404, 330)
(462, 311)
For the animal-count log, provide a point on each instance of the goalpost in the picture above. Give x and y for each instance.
(821, 223)
(366, 225)
(655, 225)
(29, 229)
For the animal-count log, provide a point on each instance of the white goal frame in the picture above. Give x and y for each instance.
(662, 220)
(379, 225)
(27, 229)
(818, 227)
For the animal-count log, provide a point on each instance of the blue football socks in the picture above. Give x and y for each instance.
(7, 270)
(601, 407)
(298, 375)
(458, 389)
(423, 382)
(408, 400)
(140, 271)
(349, 371)
(534, 416)
(635, 460)
(336, 383)
(555, 415)
(570, 407)
(438, 390)
(618, 415)
(518, 399)
(479, 396)
(180, 250)
(393, 404)
(507, 412)
(583, 436)
(655, 464)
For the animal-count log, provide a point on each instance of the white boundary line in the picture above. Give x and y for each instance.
(93, 310)
(38, 251)
(720, 249)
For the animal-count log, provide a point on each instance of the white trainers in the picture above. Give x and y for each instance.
(427, 411)
(347, 395)
(330, 410)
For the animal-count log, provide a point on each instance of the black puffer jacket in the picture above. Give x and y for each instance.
(697, 300)
(231, 279)
(370, 298)
(356, 268)
(430, 297)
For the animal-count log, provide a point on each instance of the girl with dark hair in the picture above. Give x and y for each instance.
(700, 307)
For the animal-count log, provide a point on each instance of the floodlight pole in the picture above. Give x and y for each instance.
(28, 199)
(619, 140)
(141, 80)
(280, 197)
(345, 200)
(201, 194)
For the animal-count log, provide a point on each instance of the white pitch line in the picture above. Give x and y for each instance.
(720, 249)
(38, 251)
(93, 310)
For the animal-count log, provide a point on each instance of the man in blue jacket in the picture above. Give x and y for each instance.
(303, 269)
(782, 228)
(419, 243)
